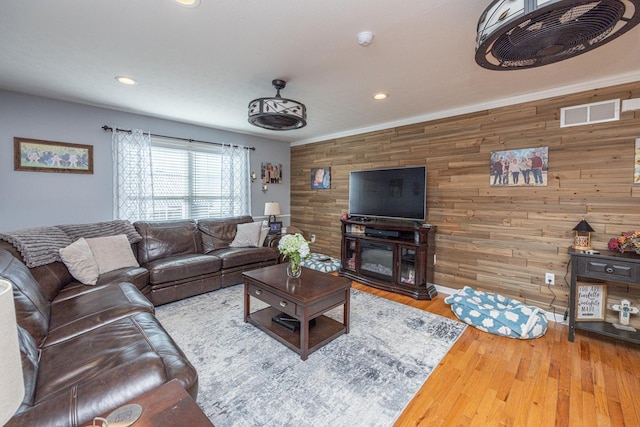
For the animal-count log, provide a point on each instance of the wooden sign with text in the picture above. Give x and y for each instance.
(591, 302)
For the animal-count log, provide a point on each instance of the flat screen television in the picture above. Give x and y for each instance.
(397, 193)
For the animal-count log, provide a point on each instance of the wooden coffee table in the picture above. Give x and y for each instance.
(304, 299)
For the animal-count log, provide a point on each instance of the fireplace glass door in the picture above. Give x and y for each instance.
(376, 260)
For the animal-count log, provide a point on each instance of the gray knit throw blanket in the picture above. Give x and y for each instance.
(41, 245)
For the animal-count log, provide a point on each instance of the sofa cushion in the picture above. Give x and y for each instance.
(80, 261)
(166, 239)
(139, 276)
(112, 253)
(32, 308)
(264, 232)
(219, 233)
(181, 267)
(247, 235)
(51, 277)
(89, 310)
(103, 369)
(236, 257)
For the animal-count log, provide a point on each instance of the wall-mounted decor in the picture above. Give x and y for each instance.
(49, 156)
(320, 178)
(636, 171)
(591, 301)
(524, 167)
(271, 173)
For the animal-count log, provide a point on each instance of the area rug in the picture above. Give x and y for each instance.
(364, 378)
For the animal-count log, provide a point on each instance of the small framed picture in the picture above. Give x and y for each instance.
(50, 156)
(591, 302)
(271, 173)
(320, 178)
(275, 227)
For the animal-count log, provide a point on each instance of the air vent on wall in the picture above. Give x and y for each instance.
(586, 114)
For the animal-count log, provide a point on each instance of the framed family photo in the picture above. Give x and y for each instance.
(271, 173)
(526, 167)
(50, 156)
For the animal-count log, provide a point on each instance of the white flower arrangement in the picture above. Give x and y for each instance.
(295, 247)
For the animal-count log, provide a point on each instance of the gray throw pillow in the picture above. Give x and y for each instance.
(247, 235)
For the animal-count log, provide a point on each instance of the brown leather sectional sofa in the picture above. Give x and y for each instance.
(186, 258)
(88, 349)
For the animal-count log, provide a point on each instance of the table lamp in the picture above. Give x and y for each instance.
(582, 239)
(11, 380)
(272, 209)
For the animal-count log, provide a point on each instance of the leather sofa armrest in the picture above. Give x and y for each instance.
(272, 240)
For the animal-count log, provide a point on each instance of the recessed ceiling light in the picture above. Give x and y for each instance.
(126, 80)
(188, 3)
(380, 96)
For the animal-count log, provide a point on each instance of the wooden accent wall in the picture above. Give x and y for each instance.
(501, 239)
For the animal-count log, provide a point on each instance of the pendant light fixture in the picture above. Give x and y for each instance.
(277, 113)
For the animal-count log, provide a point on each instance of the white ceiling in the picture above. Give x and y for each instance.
(203, 65)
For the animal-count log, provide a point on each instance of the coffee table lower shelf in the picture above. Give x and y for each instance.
(325, 330)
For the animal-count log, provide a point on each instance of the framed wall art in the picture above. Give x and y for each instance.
(591, 301)
(36, 155)
(525, 167)
(320, 178)
(636, 170)
(271, 173)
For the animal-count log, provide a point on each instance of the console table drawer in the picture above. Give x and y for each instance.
(273, 300)
(615, 270)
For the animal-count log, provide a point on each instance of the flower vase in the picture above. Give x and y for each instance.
(294, 269)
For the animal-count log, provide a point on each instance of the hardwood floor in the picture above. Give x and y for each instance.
(487, 380)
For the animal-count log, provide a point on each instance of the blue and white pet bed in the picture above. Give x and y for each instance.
(320, 262)
(498, 314)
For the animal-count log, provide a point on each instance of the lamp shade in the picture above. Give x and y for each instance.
(11, 380)
(272, 208)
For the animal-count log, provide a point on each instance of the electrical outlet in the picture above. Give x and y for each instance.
(313, 238)
(550, 279)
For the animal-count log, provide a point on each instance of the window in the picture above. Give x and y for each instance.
(198, 180)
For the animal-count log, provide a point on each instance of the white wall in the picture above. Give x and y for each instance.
(32, 199)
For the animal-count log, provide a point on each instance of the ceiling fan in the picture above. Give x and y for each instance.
(518, 34)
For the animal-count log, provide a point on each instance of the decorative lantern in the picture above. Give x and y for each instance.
(582, 239)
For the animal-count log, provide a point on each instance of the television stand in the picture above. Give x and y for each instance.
(395, 257)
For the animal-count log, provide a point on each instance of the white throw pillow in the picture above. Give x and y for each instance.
(112, 253)
(247, 235)
(80, 261)
(263, 236)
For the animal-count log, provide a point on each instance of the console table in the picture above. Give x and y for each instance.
(391, 256)
(609, 266)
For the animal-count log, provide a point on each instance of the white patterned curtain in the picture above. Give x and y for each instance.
(236, 180)
(132, 175)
